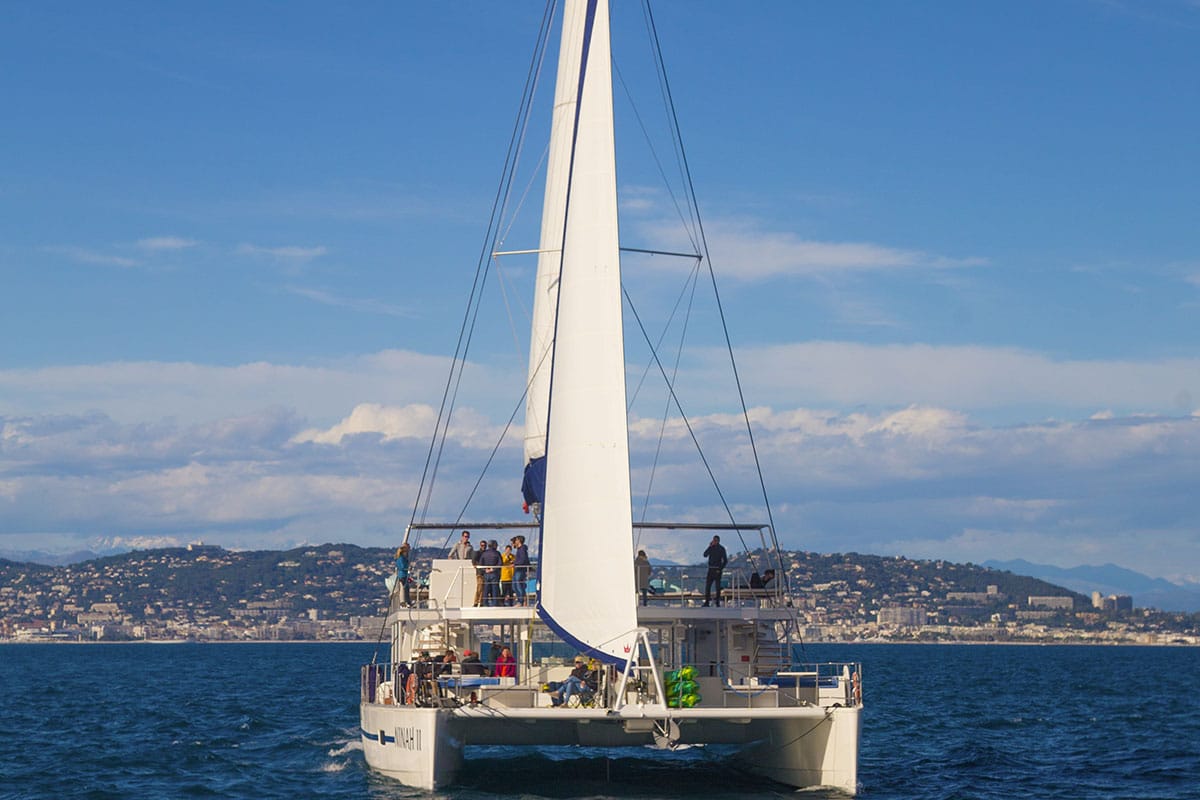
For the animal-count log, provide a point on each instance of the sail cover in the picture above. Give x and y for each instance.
(586, 555)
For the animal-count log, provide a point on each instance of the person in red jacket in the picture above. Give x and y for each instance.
(506, 664)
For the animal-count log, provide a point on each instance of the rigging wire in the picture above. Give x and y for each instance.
(671, 390)
(692, 282)
(529, 185)
(504, 292)
(491, 457)
(466, 330)
(668, 105)
(687, 222)
(500, 206)
(666, 88)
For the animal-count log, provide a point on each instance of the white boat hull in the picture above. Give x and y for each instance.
(800, 747)
(416, 746)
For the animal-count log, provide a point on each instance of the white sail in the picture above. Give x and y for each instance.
(586, 558)
(545, 298)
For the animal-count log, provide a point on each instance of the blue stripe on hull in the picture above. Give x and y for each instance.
(380, 737)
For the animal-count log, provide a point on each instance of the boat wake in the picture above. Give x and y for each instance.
(354, 745)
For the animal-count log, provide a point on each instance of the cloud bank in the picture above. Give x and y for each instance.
(921, 481)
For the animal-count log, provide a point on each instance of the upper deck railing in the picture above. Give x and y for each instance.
(425, 683)
(452, 583)
(671, 586)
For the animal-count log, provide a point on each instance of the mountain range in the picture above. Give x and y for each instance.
(1109, 579)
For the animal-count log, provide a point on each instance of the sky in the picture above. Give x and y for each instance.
(956, 244)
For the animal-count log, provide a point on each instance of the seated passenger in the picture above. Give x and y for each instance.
(471, 665)
(760, 581)
(580, 678)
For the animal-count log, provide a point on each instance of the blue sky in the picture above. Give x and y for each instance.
(957, 244)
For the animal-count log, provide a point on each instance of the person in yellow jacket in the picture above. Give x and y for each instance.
(506, 575)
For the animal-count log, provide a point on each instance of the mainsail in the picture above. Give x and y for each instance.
(586, 554)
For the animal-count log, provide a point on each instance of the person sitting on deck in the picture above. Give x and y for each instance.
(582, 677)
(760, 581)
(444, 666)
(471, 665)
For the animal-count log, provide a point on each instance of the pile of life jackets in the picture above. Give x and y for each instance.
(682, 689)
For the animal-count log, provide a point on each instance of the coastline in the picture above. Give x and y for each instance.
(364, 642)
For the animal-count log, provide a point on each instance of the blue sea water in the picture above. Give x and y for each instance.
(281, 721)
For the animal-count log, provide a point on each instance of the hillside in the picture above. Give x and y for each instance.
(344, 580)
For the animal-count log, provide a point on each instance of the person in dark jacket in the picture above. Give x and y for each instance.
(717, 559)
(489, 564)
(641, 575)
(760, 581)
(520, 567)
(423, 671)
(582, 677)
(471, 665)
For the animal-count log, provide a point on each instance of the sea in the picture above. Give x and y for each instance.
(281, 721)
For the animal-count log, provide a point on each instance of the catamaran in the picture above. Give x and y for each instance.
(659, 670)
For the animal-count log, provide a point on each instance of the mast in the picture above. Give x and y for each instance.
(586, 555)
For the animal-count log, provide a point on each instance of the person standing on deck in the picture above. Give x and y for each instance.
(506, 576)
(717, 559)
(520, 567)
(489, 565)
(463, 550)
(641, 574)
(506, 664)
(479, 571)
(402, 563)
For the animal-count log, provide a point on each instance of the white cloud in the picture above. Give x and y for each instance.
(744, 251)
(286, 253)
(370, 305)
(469, 428)
(161, 243)
(138, 391)
(964, 377)
(389, 422)
(88, 256)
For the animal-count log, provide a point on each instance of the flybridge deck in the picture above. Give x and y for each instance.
(741, 649)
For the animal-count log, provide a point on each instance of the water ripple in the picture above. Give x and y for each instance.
(281, 721)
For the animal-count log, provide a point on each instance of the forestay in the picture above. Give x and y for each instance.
(586, 558)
